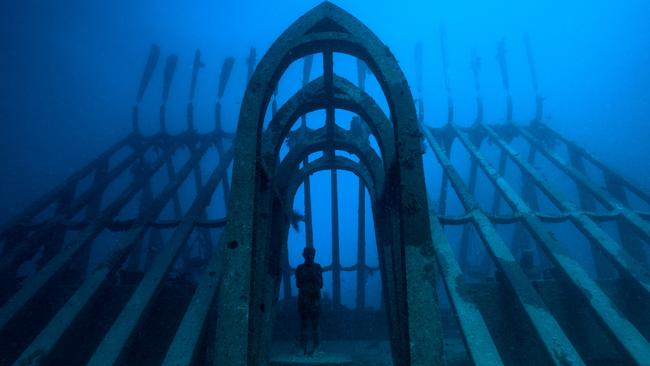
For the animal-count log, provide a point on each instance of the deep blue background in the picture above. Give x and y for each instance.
(69, 71)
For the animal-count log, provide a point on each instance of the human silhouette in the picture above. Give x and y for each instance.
(309, 281)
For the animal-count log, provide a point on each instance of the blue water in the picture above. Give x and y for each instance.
(69, 73)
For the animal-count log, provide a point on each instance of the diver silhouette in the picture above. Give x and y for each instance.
(309, 281)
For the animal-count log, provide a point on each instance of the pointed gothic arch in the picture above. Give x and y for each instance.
(293, 182)
(256, 232)
(313, 96)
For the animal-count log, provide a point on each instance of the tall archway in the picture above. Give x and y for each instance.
(256, 231)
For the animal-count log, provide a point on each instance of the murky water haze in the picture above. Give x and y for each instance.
(70, 71)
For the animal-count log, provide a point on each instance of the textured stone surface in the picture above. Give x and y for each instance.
(333, 353)
(256, 230)
(315, 360)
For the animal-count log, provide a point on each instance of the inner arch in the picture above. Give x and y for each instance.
(313, 97)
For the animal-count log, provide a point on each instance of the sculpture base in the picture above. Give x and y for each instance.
(315, 360)
(333, 353)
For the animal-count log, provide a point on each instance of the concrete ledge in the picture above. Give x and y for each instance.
(315, 360)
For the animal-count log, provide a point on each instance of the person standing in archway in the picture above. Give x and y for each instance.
(309, 281)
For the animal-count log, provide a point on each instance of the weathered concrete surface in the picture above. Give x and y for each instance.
(408, 262)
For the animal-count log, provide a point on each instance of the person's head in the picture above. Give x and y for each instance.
(309, 254)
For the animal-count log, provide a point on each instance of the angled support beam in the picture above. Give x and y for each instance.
(588, 204)
(476, 336)
(621, 330)
(48, 338)
(208, 245)
(56, 237)
(185, 346)
(610, 202)
(222, 153)
(520, 241)
(528, 186)
(226, 71)
(26, 249)
(626, 232)
(155, 241)
(226, 182)
(92, 211)
(557, 346)
(628, 266)
(639, 191)
(112, 348)
(442, 198)
(155, 236)
(464, 238)
(134, 261)
(585, 198)
(94, 204)
(42, 203)
(496, 198)
(444, 184)
(37, 281)
(171, 175)
(92, 196)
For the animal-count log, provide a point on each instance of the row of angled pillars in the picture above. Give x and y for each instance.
(145, 253)
(99, 167)
(168, 77)
(143, 174)
(21, 245)
(621, 330)
(529, 193)
(615, 185)
(155, 238)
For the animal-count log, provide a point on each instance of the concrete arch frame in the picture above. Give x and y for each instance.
(256, 232)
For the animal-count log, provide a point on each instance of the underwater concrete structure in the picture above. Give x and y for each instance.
(496, 280)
